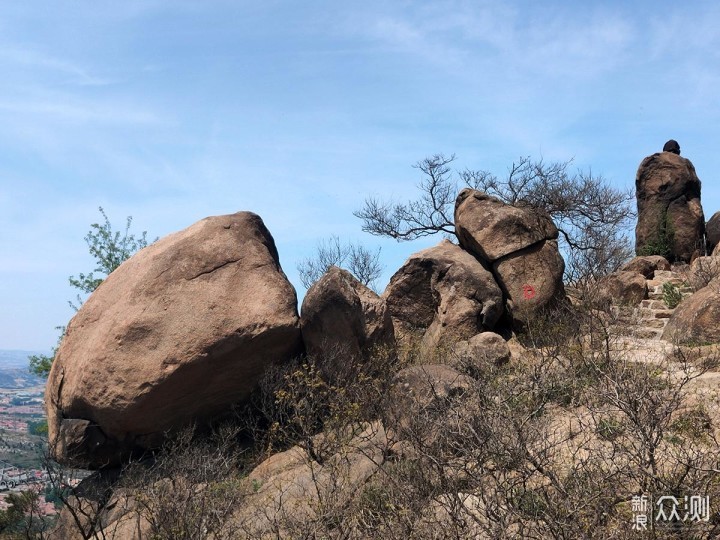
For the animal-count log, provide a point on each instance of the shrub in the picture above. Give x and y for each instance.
(554, 444)
(671, 295)
(662, 243)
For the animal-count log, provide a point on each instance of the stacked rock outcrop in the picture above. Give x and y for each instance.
(520, 245)
(186, 328)
(507, 262)
(628, 286)
(670, 216)
(445, 293)
(178, 333)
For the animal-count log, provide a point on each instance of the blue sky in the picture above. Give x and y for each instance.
(174, 110)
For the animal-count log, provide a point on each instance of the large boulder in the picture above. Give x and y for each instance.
(532, 280)
(341, 315)
(290, 492)
(422, 393)
(177, 334)
(427, 385)
(87, 515)
(669, 209)
(702, 271)
(444, 293)
(646, 265)
(712, 232)
(520, 244)
(479, 352)
(492, 229)
(624, 288)
(696, 320)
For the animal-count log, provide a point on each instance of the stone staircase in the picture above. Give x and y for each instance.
(649, 318)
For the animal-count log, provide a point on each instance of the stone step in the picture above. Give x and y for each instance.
(653, 323)
(653, 304)
(647, 333)
(648, 314)
(665, 275)
(659, 297)
(624, 311)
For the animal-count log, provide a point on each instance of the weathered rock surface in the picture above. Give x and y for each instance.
(521, 245)
(340, 314)
(702, 271)
(647, 265)
(712, 232)
(624, 287)
(668, 190)
(177, 333)
(444, 293)
(696, 320)
(421, 396)
(280, 497)
(120, 518)
(421, 392)
(427, 383)
(481, 350)
(290, 486)
(491, 229)
(532, 279)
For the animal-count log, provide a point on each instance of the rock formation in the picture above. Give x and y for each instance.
(341, 315)
(520, 245)
(702, 272)
(177, 333)
(697, 319)
(421, 391)
(624, 287)
(444, 293)
(480, 351)
(294, 480)
(670, 216)
(712, 232)
(647, 265)
(492, 229)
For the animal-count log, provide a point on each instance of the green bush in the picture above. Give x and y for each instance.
(609, 429)
(671, 295)
(662, 243)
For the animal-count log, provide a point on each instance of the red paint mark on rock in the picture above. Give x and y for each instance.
(528, 292)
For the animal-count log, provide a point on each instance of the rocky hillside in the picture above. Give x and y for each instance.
(474, 398)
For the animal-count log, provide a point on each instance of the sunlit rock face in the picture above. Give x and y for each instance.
(177, 334)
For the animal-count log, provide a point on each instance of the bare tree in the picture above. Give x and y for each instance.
(363, 263)
(591, 215)
(430, 214)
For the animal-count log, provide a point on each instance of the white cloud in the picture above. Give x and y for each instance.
(37, 61)
(76, 110)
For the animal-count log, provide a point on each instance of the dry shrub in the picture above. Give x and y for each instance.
(554, 444)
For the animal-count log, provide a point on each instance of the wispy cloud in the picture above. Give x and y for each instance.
(495, 37)
(170, 110)
(79, 111)
(72, 73)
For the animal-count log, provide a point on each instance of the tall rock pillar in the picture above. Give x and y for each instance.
(670, 217)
